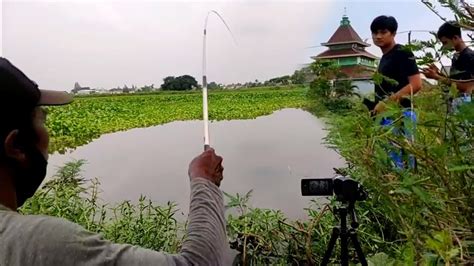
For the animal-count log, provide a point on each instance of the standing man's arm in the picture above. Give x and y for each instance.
(409, 69)
(413, 85)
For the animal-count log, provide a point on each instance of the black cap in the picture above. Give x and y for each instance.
(17, 90)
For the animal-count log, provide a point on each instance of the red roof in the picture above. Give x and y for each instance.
(345, 34)
(344, 53)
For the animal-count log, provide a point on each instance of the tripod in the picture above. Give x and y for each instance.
(344, 233)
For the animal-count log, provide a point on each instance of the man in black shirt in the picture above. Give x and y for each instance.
(462, 64)
(397, 65)
(401, 79)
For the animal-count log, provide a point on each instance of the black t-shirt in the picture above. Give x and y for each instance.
(462, 65)
(398, 64)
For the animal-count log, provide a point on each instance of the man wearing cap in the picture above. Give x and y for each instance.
(44, 240)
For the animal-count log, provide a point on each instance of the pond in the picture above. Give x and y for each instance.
(268, 155)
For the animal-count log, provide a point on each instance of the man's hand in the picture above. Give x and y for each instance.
(394, 97)
(208, 165)
(380, 108)
(432, 72)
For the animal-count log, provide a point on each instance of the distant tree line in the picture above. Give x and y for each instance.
(188, 82)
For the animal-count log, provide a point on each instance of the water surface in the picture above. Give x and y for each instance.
(268, 154)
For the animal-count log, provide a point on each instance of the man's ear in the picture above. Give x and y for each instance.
(13, 148)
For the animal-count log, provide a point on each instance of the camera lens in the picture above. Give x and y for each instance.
(317, 187)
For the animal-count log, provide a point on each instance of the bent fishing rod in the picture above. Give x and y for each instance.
(205, 111)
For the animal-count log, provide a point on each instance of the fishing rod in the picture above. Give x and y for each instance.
(205, 110)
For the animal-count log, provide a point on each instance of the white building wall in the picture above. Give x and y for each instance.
(364, 86)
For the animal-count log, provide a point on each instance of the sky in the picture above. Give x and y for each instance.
(110, 43)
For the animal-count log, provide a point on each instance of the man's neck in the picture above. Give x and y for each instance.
(388, 48)
(460, 47)
(7, 190)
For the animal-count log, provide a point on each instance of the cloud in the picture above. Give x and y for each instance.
(112, 43)
(109, 43)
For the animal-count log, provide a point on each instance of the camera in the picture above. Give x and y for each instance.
(347, 192)
(344, 188)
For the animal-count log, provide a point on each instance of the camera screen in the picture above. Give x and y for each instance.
(317, 187)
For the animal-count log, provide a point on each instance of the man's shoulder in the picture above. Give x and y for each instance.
(468, 53)
(36, 219)
(36, 227)
(404, 52)
(36, 239)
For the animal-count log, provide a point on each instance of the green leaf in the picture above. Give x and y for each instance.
(380, 259)
(461, 168)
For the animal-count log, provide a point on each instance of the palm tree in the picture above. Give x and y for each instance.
(345, 89)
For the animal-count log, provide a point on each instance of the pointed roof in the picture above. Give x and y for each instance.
(345, 34)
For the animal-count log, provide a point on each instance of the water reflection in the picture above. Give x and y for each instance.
(269, 155)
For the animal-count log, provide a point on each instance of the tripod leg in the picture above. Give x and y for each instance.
(332, 242)
(358, 248)
(344, 248)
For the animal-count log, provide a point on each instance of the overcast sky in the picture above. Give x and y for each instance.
(107, 43)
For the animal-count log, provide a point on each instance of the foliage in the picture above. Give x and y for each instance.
(266, 237)
(427, 210)
(180, 83)
(147, 88)
(331, 87)
(300, 76)
(89, 117)
(283, 80)
(462, 10)
(214, 86)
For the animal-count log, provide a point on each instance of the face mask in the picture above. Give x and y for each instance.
(29, 179)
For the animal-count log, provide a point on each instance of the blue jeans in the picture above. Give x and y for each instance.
(463, 98)
(397, 155)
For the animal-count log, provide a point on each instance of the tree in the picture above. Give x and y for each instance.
(214, 86)
(283, 80)
(331, 87)
(298, 77)
(148, 88)
(125, 89)
(462, 10)
(180, 83)
(168, 83)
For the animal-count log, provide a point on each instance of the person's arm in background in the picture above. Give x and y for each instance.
(44, 240)
(463, 86)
